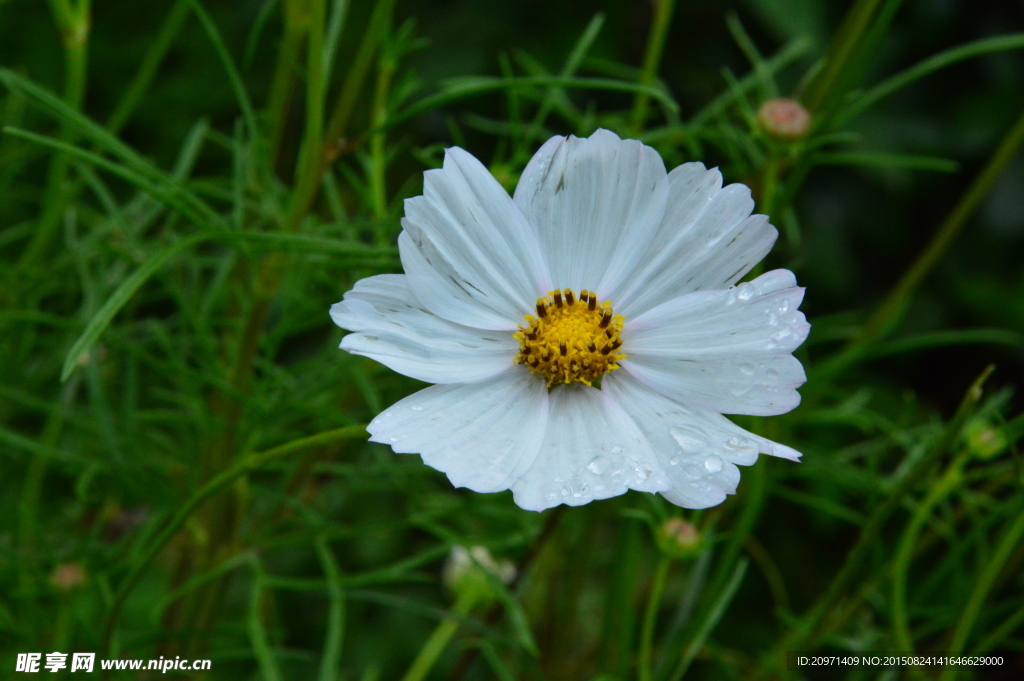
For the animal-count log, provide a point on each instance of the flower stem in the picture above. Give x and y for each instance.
(1009, 542)
(905, 552)
(438, 640)
(652, 59)
(892, 309)
(650, 616)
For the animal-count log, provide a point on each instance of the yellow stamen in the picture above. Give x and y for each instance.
(569, 343)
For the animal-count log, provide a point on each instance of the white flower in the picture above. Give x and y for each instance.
(603, 270)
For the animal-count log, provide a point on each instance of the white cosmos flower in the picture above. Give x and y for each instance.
(585, 335)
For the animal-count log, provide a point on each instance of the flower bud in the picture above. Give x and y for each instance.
(784, 119)
(679, 538)
(984, 440)
(68, 576)
(465, 572)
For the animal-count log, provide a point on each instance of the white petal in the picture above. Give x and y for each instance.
(592, 450)
(393, 328)
(725, 351)
(707, 240)
(697, 450)
(476, 261)
(483, 435)
(594, 203)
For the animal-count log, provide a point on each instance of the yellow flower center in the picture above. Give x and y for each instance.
(570, 340)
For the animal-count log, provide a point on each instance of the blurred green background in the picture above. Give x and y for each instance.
(184, 472)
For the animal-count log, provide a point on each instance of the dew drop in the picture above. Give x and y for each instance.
(773, 373)
(713, 464)
(675, 460)
(417, 407)
(784, 306)
(747, 368)
(617, 449)
(393, 439)
(597, 465)
(744, 291)
(687, 441)
(773, 319)
(566, 491)
(739, 390)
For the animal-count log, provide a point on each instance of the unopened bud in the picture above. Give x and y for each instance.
(68, 576)
(679, 538)
(466, 571)
(784, 119)
(985, 440)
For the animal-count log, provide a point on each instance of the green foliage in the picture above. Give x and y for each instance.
(185, 471)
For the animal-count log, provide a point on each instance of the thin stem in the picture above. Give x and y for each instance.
(650, 618)
(378, 152)
(804, 634)
(981, 590)
(438, 640)
(73, 21)
(219, 482)
(892, 309)
(652, 59)
(856, 22)
(905, 552)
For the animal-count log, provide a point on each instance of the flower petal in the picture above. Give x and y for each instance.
(707, 240)
(468, 251)
(592, 203)
(591, 450)
(483, 435)
(725, 351)
(697, 450)
(393, 328)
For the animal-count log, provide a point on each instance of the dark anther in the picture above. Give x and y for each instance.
(542, 310)
(591, 346)
(562, 347)
(592, 304)
(568, 297)
(606, 319)
(526, 350)
(558, 298)
(532, 335)
(608, 348)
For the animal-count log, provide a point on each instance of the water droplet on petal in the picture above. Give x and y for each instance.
(773, 319)
(773, 373)
(747, 368)
(675, 460)
(566, 491)
(713, 464)
(417, 407)
(597, 465)
(744, 291)
(393, 438)
(618, 449)
(739, 390)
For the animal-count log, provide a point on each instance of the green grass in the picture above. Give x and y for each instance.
(177, 421)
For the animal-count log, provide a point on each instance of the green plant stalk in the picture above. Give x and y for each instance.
(73, 23)
(1007, 544)
(282, 84)
(378, 149)
(216, 484)
(316, 90)
(905, 553)
(440, 637)
(652, 59)
(335, 635)
(711, 619)
(856, 22)
(891, 311)
(805, 633)
(644, 667)
(149, 65)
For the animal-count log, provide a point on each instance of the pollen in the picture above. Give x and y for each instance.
(571, 339)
